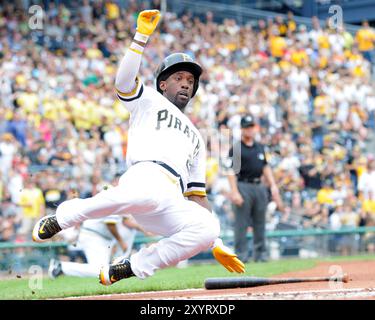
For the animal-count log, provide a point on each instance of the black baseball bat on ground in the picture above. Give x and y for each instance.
(247, 282)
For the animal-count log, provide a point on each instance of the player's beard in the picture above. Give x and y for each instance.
(177, 101)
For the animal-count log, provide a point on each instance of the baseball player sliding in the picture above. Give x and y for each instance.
(164, 186)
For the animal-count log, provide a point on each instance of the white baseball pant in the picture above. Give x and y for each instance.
(153, 196)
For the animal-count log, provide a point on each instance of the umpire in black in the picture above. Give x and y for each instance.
(249, 195)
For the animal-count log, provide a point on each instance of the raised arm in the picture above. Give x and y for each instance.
(126, 77)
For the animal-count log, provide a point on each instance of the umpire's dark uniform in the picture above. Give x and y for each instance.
(255, 195)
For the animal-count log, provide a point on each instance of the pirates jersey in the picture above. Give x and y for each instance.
(159, 131)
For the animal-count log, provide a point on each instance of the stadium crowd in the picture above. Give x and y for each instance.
(63, 132)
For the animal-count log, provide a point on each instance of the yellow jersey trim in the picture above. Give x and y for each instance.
(136, 51)
(195, 193)
(132, 92)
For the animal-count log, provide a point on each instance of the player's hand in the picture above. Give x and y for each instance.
(227, 258)
(237, 199)
(147, 21)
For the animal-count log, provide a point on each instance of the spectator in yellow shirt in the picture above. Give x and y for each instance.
(277, 45)
(368, 206)
(282, 26)
(292, 25)
(348, 38)
(325, 194)
(94, 52)
(32, 205)
(323, 104)
(113, 10)
(365, 38)
(323, 41)
(299, 56)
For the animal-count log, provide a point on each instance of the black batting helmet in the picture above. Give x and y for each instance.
(178, 62)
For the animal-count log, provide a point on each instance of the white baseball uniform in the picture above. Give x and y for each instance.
(153, 192)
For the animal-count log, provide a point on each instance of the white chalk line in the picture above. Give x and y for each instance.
(295, 295)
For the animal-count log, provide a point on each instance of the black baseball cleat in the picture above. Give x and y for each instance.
(45, 228)
(112, 273)
(54, 269)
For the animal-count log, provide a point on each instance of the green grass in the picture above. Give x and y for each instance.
(168, 279)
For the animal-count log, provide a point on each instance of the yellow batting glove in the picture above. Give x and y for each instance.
(227, 258)
(147, 21)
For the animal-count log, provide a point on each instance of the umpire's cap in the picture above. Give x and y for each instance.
(178, 62)
(247, 121)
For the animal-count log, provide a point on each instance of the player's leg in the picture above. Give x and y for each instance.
(72, 212)
(188, 228)
(135, 193)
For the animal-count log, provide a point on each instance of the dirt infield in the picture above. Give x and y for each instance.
(361, 286)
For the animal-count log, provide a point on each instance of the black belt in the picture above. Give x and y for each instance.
(167, 167)
(250, 180)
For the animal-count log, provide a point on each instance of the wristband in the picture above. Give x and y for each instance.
(141, 37)
(135, 47)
